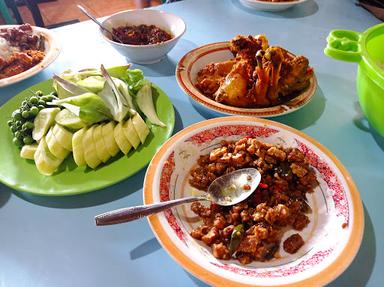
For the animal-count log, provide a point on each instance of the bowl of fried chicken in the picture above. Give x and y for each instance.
(247, 76)
(25, 50)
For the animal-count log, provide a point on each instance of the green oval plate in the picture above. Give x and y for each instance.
(22, 175)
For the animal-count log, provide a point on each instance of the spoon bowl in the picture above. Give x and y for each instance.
(226, 190)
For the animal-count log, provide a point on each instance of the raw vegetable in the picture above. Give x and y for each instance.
(43, 121)
(89, 107)
(236, 237)
(69, 120)
(117, 102)
(145, 102)
(28, 151)
(21, 123)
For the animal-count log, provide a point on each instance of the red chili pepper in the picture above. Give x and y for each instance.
(263, 185)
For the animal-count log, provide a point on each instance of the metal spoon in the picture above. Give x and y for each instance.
(225, 190)
(93, 18)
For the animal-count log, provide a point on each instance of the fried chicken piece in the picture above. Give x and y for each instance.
(295, 74)
(212, 76)
(20, 62)
(245, 48)
(233, 91)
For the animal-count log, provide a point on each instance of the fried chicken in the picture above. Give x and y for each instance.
(259, 76)
(20, 62)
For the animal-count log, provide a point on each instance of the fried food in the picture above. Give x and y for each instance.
(20, 50)
(259, 76)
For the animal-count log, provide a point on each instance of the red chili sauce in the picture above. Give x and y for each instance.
(140, 35)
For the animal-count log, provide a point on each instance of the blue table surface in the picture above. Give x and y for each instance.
(54, 242)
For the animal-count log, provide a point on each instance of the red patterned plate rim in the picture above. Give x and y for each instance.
(183, 77)
(334, 269)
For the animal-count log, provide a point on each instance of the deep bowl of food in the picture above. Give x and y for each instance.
(271, 5)
(25, 51)
(246, 76)
(301, 227)
(366, 49)
(146, 35)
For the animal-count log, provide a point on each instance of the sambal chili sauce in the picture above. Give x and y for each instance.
(140, 35)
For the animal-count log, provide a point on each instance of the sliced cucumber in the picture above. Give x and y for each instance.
(69, 120)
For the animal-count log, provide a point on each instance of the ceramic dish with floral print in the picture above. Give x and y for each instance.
(332, 238)
(191, 66)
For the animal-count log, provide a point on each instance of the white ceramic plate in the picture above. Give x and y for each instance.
(270, 6)
(195, 60)
(332, 239)
(52, 50)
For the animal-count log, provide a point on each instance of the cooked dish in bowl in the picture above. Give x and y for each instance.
(252, 230)
(140, 35)
(258, 76)
(20, 50)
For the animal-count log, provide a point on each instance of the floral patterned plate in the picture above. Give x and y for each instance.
(195, 60)
(332, 238)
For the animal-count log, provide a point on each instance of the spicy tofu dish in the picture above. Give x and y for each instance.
(258, 76)
(253, 229)
(20, 50)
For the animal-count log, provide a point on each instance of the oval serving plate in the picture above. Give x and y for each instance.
(52, 51)
(332, 238)
(22, 174)
(195, 60)
(270, 6)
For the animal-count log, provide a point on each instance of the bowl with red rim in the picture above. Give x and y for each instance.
(192, 62)
(332, 237)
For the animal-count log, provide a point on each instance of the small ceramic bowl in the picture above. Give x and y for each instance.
(270, 6)
(145, 54)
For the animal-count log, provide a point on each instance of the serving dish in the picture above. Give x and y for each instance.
(52, 51)
(270, 6)
(145, 54)
(332, 238)
(366, 49)
(22, 175)
(191, 63)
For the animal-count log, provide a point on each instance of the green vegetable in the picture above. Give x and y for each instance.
(93, 84)
(236, 237)
(135, 80)
(145, 102)
(65, 88)
(89, 107)
(118, 104)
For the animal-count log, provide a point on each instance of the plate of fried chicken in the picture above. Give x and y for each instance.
(25, 50)
(247, 76)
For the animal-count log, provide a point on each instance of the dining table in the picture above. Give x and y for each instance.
(53, 241)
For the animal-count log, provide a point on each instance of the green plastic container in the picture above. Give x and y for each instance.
(366, 49)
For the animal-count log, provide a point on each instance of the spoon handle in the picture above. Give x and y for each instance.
(136, 212)
(89, 15)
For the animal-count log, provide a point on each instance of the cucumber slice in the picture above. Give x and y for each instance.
(69, 120)
(55, 147)
(63, 136)
(77, 147)
(120, 139)
(28, 151)
(90, 154)
(101, 149)
(43, 121)
(107, 131)
(131, 134)
(140, 126)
